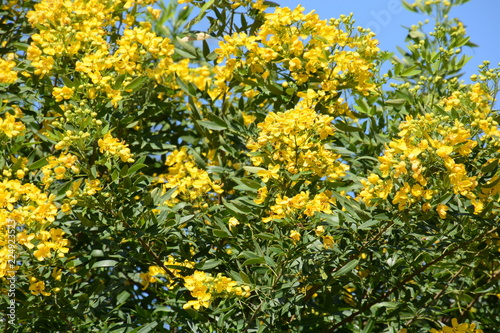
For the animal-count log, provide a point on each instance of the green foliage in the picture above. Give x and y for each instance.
(276, 183)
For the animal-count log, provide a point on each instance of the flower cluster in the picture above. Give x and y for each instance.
(83, 22)
(458, 328)
(304, 47)
(33, 212)
(63, 93)
(7, 74)
(38, 287)
(49, 242)
(435, 153)
(112, 146)
(255, 4)
(292, 144)
(59, 168)
(174, 267)
(189, 181)
(205, 288)
(9, 126)
(295, 140)
(78, 30)
(301, 203)
(202, 286)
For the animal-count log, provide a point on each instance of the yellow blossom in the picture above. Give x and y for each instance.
(110, 145)
(38, 287)
(328, 242)
(458, 328)
(295, 235)
(442, 209)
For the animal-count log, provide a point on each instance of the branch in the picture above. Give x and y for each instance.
(157, 259)
(402, 283)
(495, 276)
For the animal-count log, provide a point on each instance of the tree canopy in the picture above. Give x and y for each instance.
(266, 175)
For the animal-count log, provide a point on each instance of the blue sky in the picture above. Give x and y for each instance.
(387, 18)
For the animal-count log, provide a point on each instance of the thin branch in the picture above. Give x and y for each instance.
(401, 284)
(438, 295)
(495, 276)
(157, 259)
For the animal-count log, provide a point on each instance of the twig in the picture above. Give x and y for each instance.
(400, 284)
(157, 259)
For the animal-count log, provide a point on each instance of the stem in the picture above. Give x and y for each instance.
(438, 295)
(403, 282)
(151, 252)
(495, 276)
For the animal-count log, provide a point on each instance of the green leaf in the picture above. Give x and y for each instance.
(397, 101)
(248, 255)
(237, 207)
(136, 84)
(408, 6)
(369, 326)
(220, 233)
(417, 34)
(39, 164)
(203, 11)
(490, 166)
(244, 277)
(346, 269)
(389, 305)
(211, 125)
(368, 224)
(146, 328)
(67, 82)
(122, 297)
(85, 221)
(218, 120)
(209, 264)
(410, 71)
(105, 263)
(186, 218)
(97, 253)
(136, 167)
(347, 128)
(266, 236)
(185, 54)
(252, 169)
(21, 46)
(259, 260)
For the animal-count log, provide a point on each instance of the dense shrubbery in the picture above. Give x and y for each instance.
(277, 183)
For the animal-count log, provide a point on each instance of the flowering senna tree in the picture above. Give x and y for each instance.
(270, 178)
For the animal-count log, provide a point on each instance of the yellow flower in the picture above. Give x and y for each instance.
(202, 301)
(7, 74)
(458, 328)
(426, 207)
(328, 242)
(191, 183)
(56, 274)
(62, 93)
(110, 145)
(261, 195)
(25, 239)
(10, 127)
(442, 209)
(319, 230)
(347, 295)
(295, 235)
(272, 172)
(233, 222)
(43, 251)
(478, 206)
(38, 288)
(248, 119)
